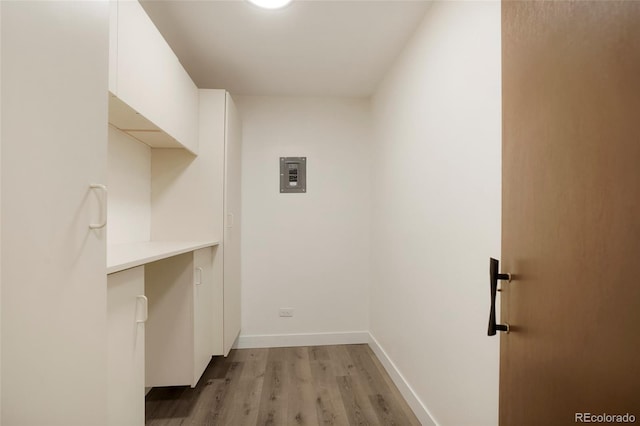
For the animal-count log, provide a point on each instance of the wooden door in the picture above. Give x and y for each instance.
(54, 146)
(232, 204)
(571, 211)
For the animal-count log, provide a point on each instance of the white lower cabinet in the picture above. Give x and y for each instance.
(179, 330)
(205, 297)
(126, 313)
(160, 331)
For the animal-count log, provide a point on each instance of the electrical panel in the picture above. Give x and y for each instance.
(293, 174)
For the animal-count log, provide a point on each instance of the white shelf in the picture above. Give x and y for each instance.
(126, 256)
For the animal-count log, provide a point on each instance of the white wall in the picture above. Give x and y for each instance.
(436, 211)
(307, 251)
(129, 183)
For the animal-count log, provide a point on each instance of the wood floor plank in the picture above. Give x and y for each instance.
(404, 406)
(210, 409)
(342, 356)
(273, 402)
(245, 355)
(162, 404)
(329, 407)
(386, 410)
(167, 406)
(384, 397)
(381, 369)
(341, 385)
(220, 369)
(243, 410)
(318, 353)
(341, 360)
(356, 402)
(301, 408)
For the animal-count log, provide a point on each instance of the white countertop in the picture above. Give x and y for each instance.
(126, 256)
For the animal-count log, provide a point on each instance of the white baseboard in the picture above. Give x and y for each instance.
(307, 339)
(421, 412)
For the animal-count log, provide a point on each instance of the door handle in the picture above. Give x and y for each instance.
(103, 221)
(198, 275)
(494, 276)
(145, 309)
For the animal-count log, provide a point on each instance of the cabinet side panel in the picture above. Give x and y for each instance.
(212, 134)
(231, 243)
(54, 142)
(217, 308)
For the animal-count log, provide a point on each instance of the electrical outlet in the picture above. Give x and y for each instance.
(286, 312)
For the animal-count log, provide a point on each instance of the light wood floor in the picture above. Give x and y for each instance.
(318, 385)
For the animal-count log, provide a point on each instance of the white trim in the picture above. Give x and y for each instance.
(419, 409)
(306, 339)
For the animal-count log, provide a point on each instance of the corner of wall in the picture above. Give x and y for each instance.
(419, 409)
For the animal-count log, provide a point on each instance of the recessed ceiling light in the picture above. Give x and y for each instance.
(270, 4)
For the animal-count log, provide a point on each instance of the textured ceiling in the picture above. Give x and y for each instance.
(309, 48)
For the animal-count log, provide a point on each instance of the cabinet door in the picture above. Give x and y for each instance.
(54, 145)
(232, 206)
(202, 307)
(126, 312)
(113, 46)
(151, 80)
(169, 330)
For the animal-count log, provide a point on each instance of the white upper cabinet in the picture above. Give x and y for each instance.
(147, 77)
